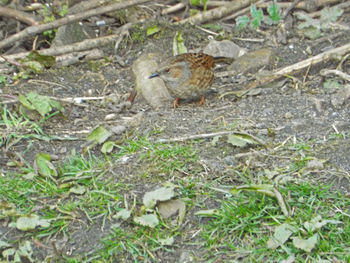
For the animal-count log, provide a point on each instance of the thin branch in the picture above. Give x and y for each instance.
(18, 15)
(339, 51)
(217, 13)
(208, 135)
(33, 30)
(76, 47)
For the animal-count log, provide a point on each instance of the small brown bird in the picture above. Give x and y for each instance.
(187, 76)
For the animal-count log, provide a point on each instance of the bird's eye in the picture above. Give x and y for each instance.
(167, 70)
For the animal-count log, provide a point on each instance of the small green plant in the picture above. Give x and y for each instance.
(258, 17)
(198, 2)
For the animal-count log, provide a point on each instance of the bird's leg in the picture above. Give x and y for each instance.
(176, 103)
(202, 100)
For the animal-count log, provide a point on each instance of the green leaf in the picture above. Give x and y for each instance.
(99, 135)
(33, 66)
(45, 167)
(78, 190)
(241, 140)
(329, 15)
(25, 102)
(281, 235)
(150, 199)
(257, 15)
(273, 11)
(242, 21)
(30, 222)
(44, 60)
(306, 244)
(195, 2)
(331, 84)
(42, 104)
(147, 220)
(152, 30)
(123, 214)
(317, 223)
(57, 105)
(107, 147)
(178, 44)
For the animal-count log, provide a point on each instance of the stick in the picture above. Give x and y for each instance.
(217, 12)
(339, 51)
(80, 46)
(33, 30)
(18, 15)
(208, 135)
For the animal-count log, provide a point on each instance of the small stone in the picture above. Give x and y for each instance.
(288, 115)
(119, 129)
(314, 165)
(252, 61)
(224, 48)
(341, 96)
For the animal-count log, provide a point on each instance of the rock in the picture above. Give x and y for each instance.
(72, 33)
(314, 165)
(119, 129)
(224, 48)
(252, 61)
(153, 90)
(341, 96)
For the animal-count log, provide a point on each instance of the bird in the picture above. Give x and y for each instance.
(187, 76)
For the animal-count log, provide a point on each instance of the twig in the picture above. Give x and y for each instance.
(290, 8)
(18, 15)
(325, 72)
(33, 30)
(301, 65)
(217, 12)
(80, 46)
(173, 9)
(208, 135)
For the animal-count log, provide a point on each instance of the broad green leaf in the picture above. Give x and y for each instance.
(317, 223)
(281, 235)
(178, 44)
(57, 105)
(195, 2)
(152, 30)
(242, 21)
(78, 189)
(99, 135)
(330, 15)
(123, 214)
(150, 220)
(273, 11)
(150, 199)
(34, 66)
(331, 84)
(257, 15)
(306, 244)
(241, 140)
(30, 222)
(44, 60)
(107, 147)
(25, 102)
(41, 103)
(45, 167)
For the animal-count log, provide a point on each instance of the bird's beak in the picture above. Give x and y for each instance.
(155, 74)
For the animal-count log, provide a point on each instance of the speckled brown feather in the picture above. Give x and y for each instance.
(189, 75)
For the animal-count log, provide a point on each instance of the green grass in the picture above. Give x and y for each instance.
(244, 223)
(88, 191)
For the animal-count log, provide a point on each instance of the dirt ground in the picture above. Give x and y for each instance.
(278, 113)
